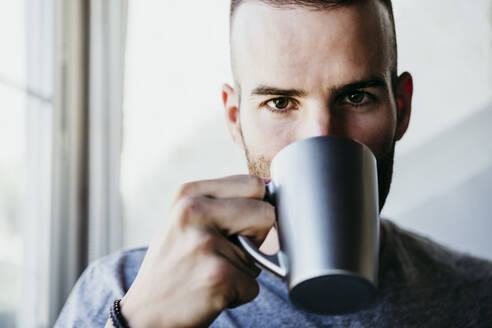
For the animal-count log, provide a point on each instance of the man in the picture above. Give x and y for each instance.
(302, 68)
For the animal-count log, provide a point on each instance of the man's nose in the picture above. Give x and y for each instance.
(321, 123)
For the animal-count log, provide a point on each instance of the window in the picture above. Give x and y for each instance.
(25, 140)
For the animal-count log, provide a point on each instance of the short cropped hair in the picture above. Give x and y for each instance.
(327, 4)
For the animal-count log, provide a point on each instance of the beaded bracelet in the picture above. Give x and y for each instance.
(116, 317)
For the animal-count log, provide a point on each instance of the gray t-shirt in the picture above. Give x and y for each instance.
(421, 284)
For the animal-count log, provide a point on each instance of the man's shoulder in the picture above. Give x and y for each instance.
(117, 270)
(424, 281)
(428, 255)
(429, 262)
(123, 263)
(103, 281)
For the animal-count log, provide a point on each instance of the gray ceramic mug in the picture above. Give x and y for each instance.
(325, 193)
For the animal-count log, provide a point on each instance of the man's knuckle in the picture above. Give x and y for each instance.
(268, 214)
(187, 189)
(224, 295)
(189, 208)
(204, 241)
(218, 274)
(221, 301)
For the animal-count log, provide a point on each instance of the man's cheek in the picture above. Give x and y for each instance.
(277, 138)
(267, 143)
(376, 132)
(382, 142)
(267, 136)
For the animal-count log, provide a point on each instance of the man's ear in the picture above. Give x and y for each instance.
(404, 92)
(230, 98)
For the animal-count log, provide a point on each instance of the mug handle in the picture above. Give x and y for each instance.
(265, 261)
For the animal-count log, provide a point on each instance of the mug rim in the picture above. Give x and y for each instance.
(311, 139)
(331, 272)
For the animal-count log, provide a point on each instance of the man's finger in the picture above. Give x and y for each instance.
(245, 287)
(237, 186)
(235, 255)
(248, 217)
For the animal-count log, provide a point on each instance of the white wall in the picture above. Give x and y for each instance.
(174, 130)
(447, 46)
(442, 180)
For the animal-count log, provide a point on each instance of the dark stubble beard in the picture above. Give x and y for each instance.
(260, 166)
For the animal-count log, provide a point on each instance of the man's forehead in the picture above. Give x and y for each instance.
(301, 46)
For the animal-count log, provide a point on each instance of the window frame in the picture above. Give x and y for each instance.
(86, 222)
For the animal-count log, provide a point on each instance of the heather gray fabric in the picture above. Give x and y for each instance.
(421, 284)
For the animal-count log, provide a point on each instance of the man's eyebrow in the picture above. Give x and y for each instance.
(264, 90)
(373, 82)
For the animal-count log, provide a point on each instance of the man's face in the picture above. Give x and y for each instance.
(302, 73)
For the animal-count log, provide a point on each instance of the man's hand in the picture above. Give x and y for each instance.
(192, 271)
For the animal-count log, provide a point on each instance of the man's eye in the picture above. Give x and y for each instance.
(281, 104)
(356, 98)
